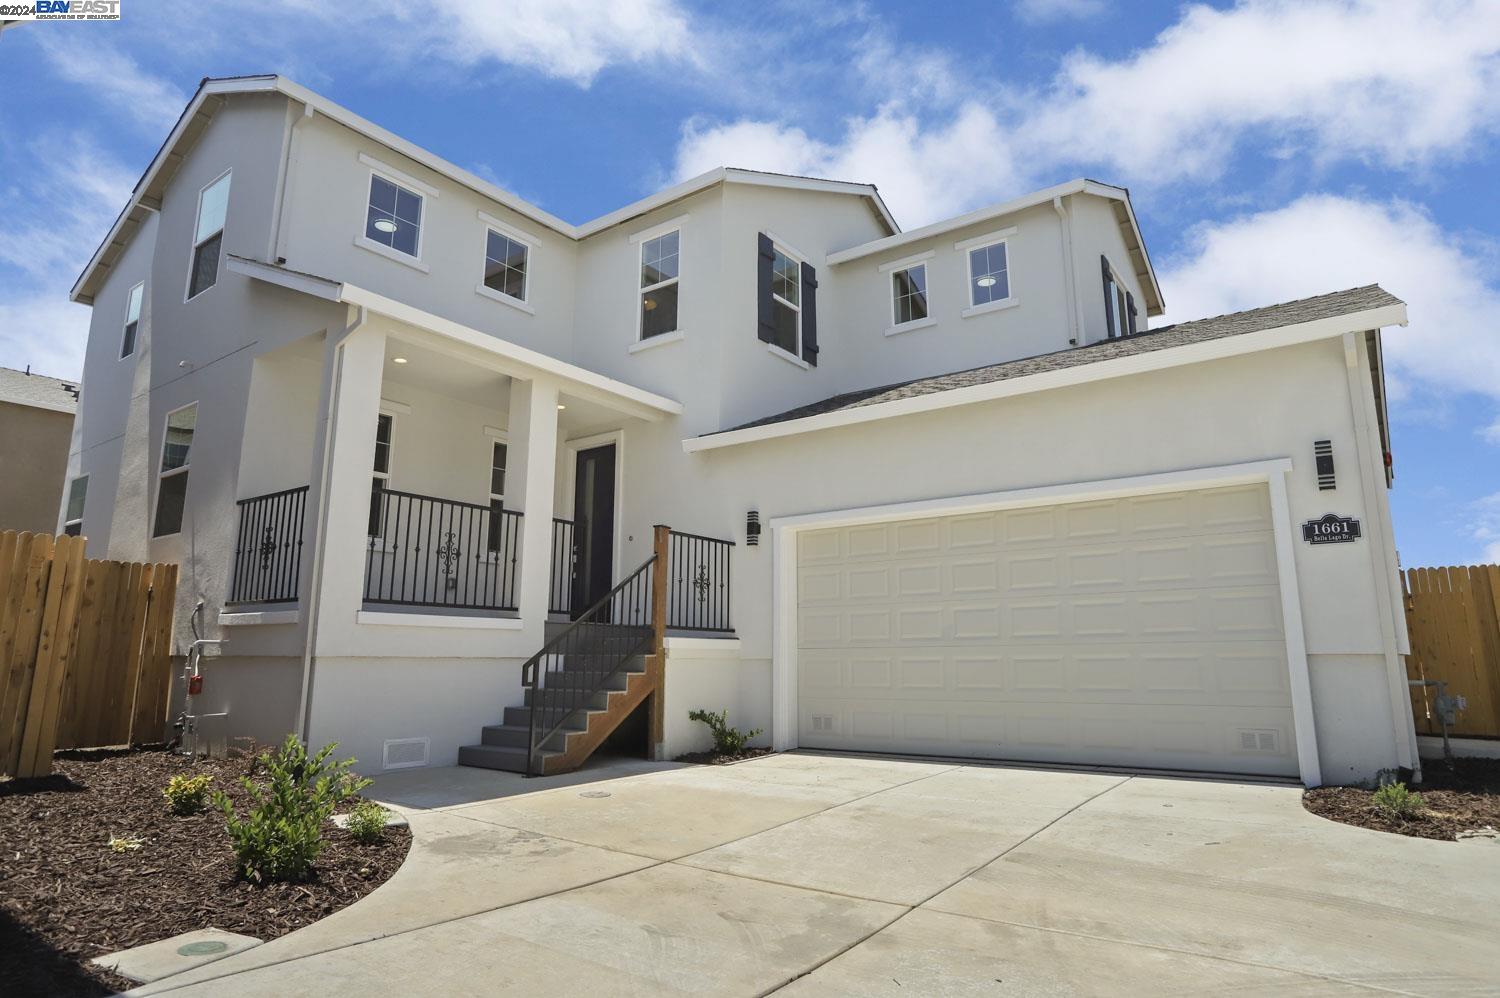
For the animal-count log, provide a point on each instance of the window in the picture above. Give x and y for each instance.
(385, 425)
(132, 320)
(1119, 304)
(659, 265)
(505, 265)
(497, 494)
(73, 518)
(394, 217)
(786, 299)
(171, 492)
(989, 277)
(909, 288)
(208, 237)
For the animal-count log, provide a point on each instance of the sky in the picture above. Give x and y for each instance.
(1273, 149)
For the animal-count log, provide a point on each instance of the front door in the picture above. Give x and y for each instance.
(594, 526)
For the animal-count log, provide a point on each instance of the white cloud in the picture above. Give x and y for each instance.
(110, 74)
(1486, 527)
(1040, 11)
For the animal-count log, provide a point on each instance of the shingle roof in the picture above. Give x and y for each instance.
(1165, 338)
(38, 391)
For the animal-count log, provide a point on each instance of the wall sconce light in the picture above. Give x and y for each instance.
(752, 528)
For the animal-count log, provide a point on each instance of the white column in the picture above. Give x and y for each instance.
(531, 475)
(359, 364)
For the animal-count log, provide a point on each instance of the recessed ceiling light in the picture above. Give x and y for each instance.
(560, 407)
(986, 282)
(398, 360)
(384, 225)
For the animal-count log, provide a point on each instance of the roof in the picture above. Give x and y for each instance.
(37, 391)
(1130, 230)
(1336, 304)
(212, 92)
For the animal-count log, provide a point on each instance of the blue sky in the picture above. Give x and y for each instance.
(1273, 149)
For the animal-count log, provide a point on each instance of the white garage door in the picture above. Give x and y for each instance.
(1143, 631)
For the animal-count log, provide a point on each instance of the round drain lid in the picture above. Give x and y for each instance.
(595, 793)
(205, 947)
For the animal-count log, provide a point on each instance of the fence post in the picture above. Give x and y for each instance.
(662, 542)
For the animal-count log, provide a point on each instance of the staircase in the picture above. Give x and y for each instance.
(583, 683)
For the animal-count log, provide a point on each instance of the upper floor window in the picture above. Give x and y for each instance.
(989, 274)
(176, 447)
(786, 300)
(505, 262)
(132, 320)
(659, 283)
(73, 519)
(1119, 303)
(208, 236)
(909, 292)
(394, 217)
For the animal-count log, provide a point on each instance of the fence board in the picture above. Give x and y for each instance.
(32, 571)
(149, 717)
(1453, 617)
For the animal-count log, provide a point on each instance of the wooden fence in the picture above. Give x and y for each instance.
(85, 650)
(1453, 615)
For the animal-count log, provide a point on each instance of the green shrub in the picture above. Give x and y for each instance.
(1395, 800)
(367, 822)
(281, 836)
(727, 740)
(187, 794)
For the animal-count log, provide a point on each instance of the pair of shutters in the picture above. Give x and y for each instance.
(1128, 326)
(766, 308)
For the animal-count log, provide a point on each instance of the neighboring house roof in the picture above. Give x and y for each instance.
(212, 93)
(37, 391)
(1372, 305)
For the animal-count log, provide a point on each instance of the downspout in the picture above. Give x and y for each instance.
(1371, 483)
(325, 476)
(1070, 277)
(285, 185)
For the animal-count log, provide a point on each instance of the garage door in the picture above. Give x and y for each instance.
(1143, 632)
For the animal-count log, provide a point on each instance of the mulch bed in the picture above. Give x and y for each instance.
(1462, 799)
(66, 897)
(712, 758)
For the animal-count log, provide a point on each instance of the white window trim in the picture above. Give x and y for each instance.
(910, 327)
(659, 229)
(187, 285)
(1122, 322)
(68, 501)
(162, 476)
(988, 239)
(906, 262)
(640, 319)
(413, 186)
(141, 287)
(656, 341)
(501, 229)
(905, 327)
(799, 259)
(776, 351)
(391, 409)
(494, 435)
(979, 308)
(990, 306)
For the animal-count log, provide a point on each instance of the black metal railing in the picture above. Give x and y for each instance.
(698, 583)
(570, 671)
(268, 548)
(426, 551)
(560, 588)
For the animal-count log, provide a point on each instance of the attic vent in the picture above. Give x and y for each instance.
(822, 722)
(405, 753)
(1257, 741)
(1323, 454)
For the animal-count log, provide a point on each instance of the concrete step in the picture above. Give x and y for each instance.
(520, 717)
(511, 760)
(516, 736)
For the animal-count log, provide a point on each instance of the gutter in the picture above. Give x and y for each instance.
(1070, 270)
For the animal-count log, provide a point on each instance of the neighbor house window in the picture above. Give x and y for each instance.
(171, 491)
(73, 519)
(394, 217)
(659, 268)
(208, 237)
(498, 451)
(989, 274)
(909, 288)
(132, 320)
(786, 300)
(1119, 304)
(385, 425)
(505, 265)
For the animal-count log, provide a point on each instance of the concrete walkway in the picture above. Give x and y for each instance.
(818, 875)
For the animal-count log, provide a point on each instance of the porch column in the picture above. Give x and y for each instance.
(532, 475)
(358, 366)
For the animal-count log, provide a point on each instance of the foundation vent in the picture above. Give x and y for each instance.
(405, 753)
(1257, 741)
(822, 722)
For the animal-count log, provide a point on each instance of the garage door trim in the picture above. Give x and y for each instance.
(1272, 473)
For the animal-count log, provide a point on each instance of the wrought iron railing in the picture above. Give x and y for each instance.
(560, 589)
(566, 676)
(698, 583)
(431, 552)
(268, 548)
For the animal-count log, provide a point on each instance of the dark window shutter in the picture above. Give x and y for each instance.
(809, 315)
(1109, 299)
(766, 315)
(1130, 312)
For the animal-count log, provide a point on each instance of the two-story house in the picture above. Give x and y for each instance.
(939, 492)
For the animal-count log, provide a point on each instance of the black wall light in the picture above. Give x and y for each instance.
(1323, 459)
(752, 528)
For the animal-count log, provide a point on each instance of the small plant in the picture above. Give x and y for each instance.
(281, 836)
(727, 740)
(1394, 800)
(367, 822)
(187, 794)
(127, 843)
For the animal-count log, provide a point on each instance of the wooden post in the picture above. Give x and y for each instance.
(661, 545)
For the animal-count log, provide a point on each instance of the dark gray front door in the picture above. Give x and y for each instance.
(594, 526)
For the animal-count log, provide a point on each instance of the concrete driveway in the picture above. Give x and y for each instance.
(846, 875)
